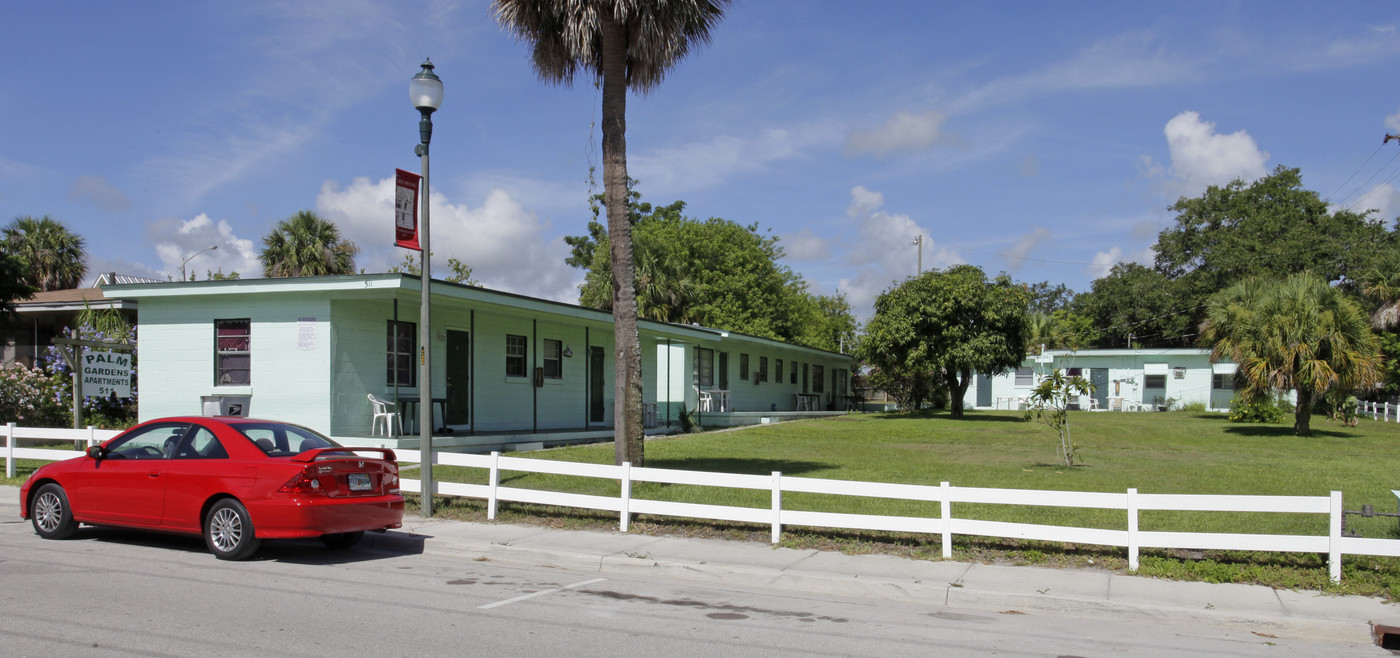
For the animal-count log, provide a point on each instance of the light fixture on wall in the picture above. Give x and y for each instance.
(568, 352)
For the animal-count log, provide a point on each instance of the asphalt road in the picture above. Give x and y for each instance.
(114, 592)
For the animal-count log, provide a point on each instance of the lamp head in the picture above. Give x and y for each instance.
(425, 89)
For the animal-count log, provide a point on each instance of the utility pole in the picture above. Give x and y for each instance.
(919, 240)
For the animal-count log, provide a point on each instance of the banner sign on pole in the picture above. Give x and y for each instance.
(106, 373)
(406, 209)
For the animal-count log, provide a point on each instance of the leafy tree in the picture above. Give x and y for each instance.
(1293, 333)
(1271, 227)
(306, 245)
(459, 272)
(52, 256)
(13, 284)
(1380, 283)
(623, 44)
(1049, 403)
(826, 323)
(1048, 298)
(1139, 304)
(948, 324)
(211, 275)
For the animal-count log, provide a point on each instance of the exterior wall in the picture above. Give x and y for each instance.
(753, 394)
(1126, 377)
(289, 380)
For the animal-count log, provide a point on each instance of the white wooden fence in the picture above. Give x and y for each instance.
(13, 434)
(1382, 411)
(946, 525)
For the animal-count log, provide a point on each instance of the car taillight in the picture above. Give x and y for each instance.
(304, 482)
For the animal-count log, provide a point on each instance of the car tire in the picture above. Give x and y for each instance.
(50, 513)
(228, 531)
(339, 540)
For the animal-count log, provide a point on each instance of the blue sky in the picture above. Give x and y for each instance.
(1041, 139)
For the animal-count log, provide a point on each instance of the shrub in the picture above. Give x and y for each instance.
(1194, 407)
(27, 397)
(1261, 410)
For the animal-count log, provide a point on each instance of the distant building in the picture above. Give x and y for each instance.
(1146, 378)
(47, 314)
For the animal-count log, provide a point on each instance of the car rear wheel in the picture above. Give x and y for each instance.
(49, 512)
(341, 540)
(228, 531)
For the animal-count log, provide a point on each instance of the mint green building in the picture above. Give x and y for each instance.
(507, 370)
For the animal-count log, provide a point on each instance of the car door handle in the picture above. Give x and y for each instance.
(154, 474)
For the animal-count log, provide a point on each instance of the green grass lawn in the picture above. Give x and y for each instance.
(1175, 452)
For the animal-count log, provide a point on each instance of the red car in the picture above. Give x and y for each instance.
(236, 481)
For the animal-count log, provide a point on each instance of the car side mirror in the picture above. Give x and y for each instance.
(96, 452)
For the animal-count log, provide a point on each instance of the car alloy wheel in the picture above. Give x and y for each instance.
(51, 515)
(229, 532)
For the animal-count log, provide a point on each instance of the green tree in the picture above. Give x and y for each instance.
(306, 245)
(622, 44)
(1048, 298)
(950, 323)
(1380, 283)
(826, 323)
(1271, 227)
(1049, 403)
(1292, 333)
(1138, 304)
(53, 256)
(458, 272)
(14, 286)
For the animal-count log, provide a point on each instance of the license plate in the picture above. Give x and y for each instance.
(360, 482)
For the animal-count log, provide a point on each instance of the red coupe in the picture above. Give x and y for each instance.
(236, 481)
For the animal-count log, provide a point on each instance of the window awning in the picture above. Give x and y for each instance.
(1154, 368)
(1224, 368)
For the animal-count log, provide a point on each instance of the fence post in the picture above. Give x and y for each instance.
(946, 502)
(626, 495)
(777, 505)
(9, 450)
(493, 481)
(92, 436)
(1133, 547)
(1334, 539)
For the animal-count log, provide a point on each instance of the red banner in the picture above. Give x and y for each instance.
(406, 210)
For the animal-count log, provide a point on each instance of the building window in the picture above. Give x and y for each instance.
(1224, 381)
(705, 367)
(1074, 372)
(744, 367)
(794, 373)
(233, 352)
(400, 370)
(515, 356)
(724, 370)
(553, 359)
(1024, 377)
(1154, 381)
(762, 369)
(818, 374)
(778, 371)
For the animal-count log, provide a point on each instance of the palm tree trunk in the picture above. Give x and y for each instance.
(627, 377)
(1302, 415)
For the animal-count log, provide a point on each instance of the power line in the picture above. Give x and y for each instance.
(1354, 173)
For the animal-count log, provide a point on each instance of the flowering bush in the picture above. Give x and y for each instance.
(106, 412)
(26, 397)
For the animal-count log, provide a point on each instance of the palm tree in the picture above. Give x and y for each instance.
(306, 245)
(623, 44)
(53, 256)
(1293, 333)
(1381, 283)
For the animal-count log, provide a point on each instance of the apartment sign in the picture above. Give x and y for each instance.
(106, 374)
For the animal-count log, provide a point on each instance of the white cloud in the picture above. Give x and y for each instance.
(1105, 260)
(1392, 122)
(95, 190)
(674, 170)
(1384, 199)
(502, 241)
(884, 251)
(901, 132)
(177, 240)
(1016, 255)
(804, 245)
(1201, 157)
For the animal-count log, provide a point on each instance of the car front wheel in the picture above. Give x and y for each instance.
(228, 531)
(50, 513)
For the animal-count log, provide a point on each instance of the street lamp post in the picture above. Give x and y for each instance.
(183, 276)
(425, 92)
(919, 240)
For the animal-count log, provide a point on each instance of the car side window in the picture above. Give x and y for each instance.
(153, 442)
(201, 444)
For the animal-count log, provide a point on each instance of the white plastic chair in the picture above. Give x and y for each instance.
(706, 400)
(383, 410)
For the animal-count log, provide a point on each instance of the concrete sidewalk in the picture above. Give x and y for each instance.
(722, 563)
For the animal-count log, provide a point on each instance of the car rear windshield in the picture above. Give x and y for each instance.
(282, 440)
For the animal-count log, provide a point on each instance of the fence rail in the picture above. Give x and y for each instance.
(946, 525)
(1382, 411)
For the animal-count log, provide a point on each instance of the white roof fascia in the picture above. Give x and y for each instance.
(1224, 368)
(1155, 369)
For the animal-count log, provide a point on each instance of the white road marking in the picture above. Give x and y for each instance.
(534, 594)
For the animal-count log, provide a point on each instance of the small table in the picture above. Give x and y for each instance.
(410, 414)
(721, 398)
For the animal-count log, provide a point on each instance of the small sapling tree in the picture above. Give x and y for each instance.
(1049, 403)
